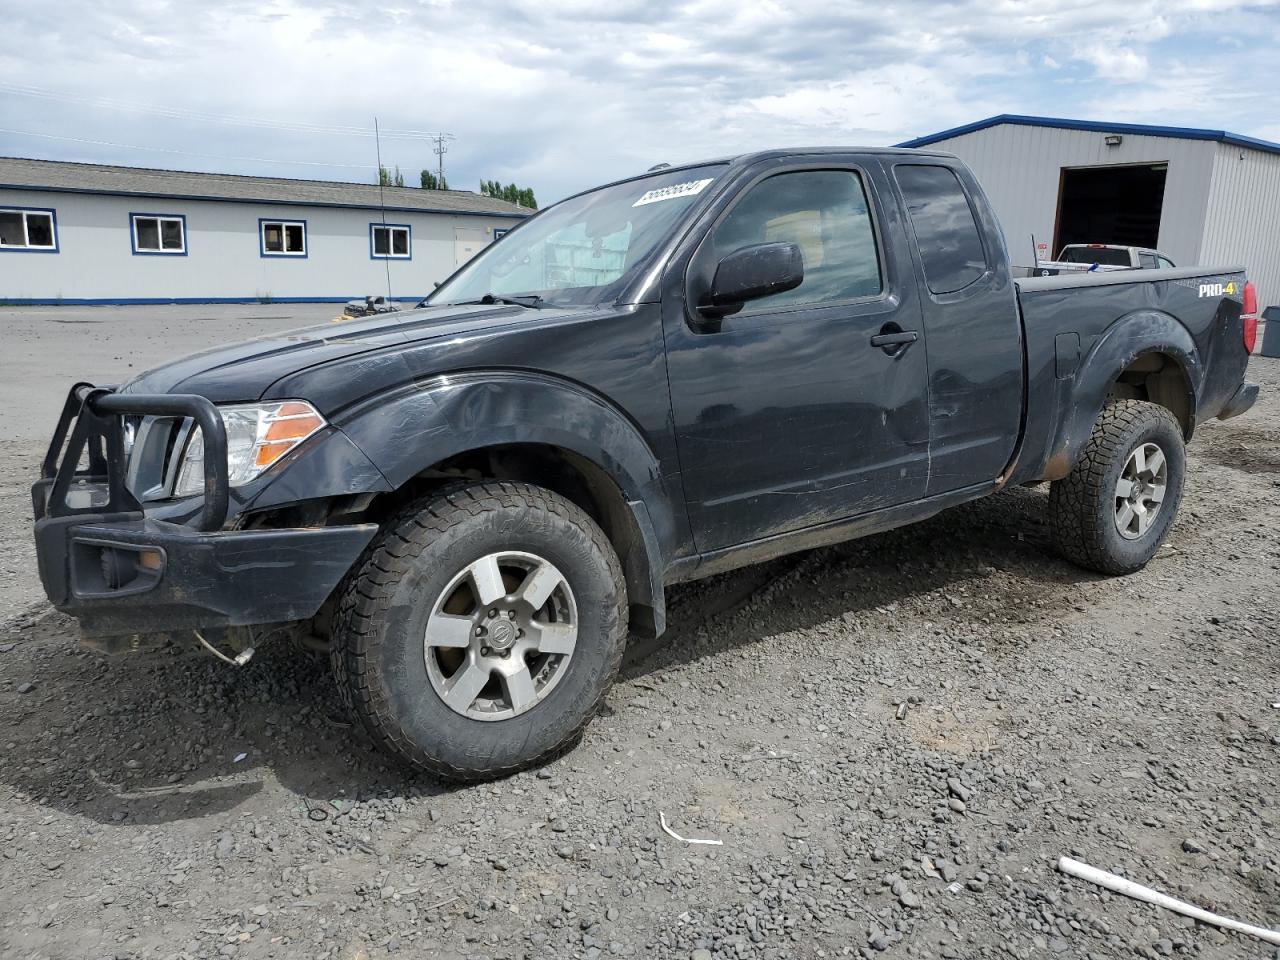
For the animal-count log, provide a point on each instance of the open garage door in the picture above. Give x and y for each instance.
(1117, 204)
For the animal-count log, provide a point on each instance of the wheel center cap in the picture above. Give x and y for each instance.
(502, 634)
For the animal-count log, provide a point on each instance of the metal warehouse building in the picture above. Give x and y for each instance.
(83, 234)
(1199, 196)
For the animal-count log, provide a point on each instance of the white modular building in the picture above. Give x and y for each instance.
(74, 233)
(1200, 197)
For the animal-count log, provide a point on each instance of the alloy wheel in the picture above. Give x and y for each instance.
(1140, 490)
(501, 635)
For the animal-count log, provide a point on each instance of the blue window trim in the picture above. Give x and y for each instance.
(390, 256)
(53, 216)
(133, 235)
(500, 232)
(262, 240)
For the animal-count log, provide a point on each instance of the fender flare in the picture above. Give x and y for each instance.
(1114, 351)
(418, 425)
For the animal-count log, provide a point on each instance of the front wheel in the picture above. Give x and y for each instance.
(482, 631)
(1112, 512)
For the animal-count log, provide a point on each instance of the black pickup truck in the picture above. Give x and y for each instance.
(470, 504)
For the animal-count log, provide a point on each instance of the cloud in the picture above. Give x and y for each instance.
(566, 93)
(1111, 61)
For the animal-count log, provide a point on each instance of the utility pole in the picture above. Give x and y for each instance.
(440, 150)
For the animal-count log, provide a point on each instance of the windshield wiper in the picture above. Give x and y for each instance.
(531, 300)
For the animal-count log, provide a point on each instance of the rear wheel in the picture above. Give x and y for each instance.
(482, 630)
(1114, 509)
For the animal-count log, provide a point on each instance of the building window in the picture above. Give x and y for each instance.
(390, 241)
(158, 233)
(283, 238)
(32, 231)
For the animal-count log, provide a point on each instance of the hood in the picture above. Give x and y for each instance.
(244, 371)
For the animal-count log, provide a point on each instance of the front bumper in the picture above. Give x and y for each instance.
(103, 561)
(1244, 398)
(126, 574)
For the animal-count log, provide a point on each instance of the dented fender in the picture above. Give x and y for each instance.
(1123, 342)
(419, 425)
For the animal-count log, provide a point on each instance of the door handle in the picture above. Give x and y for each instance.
(892, 343)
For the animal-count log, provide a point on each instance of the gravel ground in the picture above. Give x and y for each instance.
(894, 740)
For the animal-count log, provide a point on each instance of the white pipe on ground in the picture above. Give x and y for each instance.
(1136, 890)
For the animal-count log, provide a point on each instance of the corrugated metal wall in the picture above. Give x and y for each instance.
(1243, 223)
(1020, 168)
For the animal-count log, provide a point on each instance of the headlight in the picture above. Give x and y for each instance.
(257, 436)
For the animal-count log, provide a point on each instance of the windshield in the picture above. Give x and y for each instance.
(585, 249)
(1107, 256)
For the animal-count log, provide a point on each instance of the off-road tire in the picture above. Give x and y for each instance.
(1082, 505)
(378, 644)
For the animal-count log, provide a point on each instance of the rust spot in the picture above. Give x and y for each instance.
(1058, 466)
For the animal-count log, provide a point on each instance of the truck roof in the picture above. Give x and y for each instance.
(1109, 246)
(745, 159)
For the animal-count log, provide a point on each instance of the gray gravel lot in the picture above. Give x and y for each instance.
(894, 739)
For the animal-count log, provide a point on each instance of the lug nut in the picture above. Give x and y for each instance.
(511, 614)
(492, 614)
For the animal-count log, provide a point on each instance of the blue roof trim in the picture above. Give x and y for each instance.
(270, 203)
(1094, 126)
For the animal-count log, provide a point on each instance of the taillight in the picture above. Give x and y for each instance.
(1249, 314)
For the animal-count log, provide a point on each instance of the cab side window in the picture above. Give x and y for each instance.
(946, 232)
(825, 213)
(1147, 261)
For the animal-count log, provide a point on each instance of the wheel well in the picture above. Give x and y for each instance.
(588, 486)
(1159, 378)
(562, 471)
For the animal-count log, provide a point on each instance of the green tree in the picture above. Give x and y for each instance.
(431, 182)
(509, 192)
(388, 179)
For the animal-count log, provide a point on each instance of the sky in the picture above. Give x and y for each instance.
(559, 95)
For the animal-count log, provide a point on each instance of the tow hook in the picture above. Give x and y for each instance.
(239, 660)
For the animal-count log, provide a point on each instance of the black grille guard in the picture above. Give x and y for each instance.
(92, 421)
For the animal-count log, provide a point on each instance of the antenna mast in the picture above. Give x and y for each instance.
(382, 202)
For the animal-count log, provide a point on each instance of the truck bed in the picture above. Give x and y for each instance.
(1178, 329)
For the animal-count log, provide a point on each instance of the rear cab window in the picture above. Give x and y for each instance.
(947, 234)
(1105, 256)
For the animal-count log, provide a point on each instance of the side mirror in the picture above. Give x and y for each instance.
(750, 273)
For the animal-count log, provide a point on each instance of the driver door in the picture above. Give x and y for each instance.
(793, 412)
